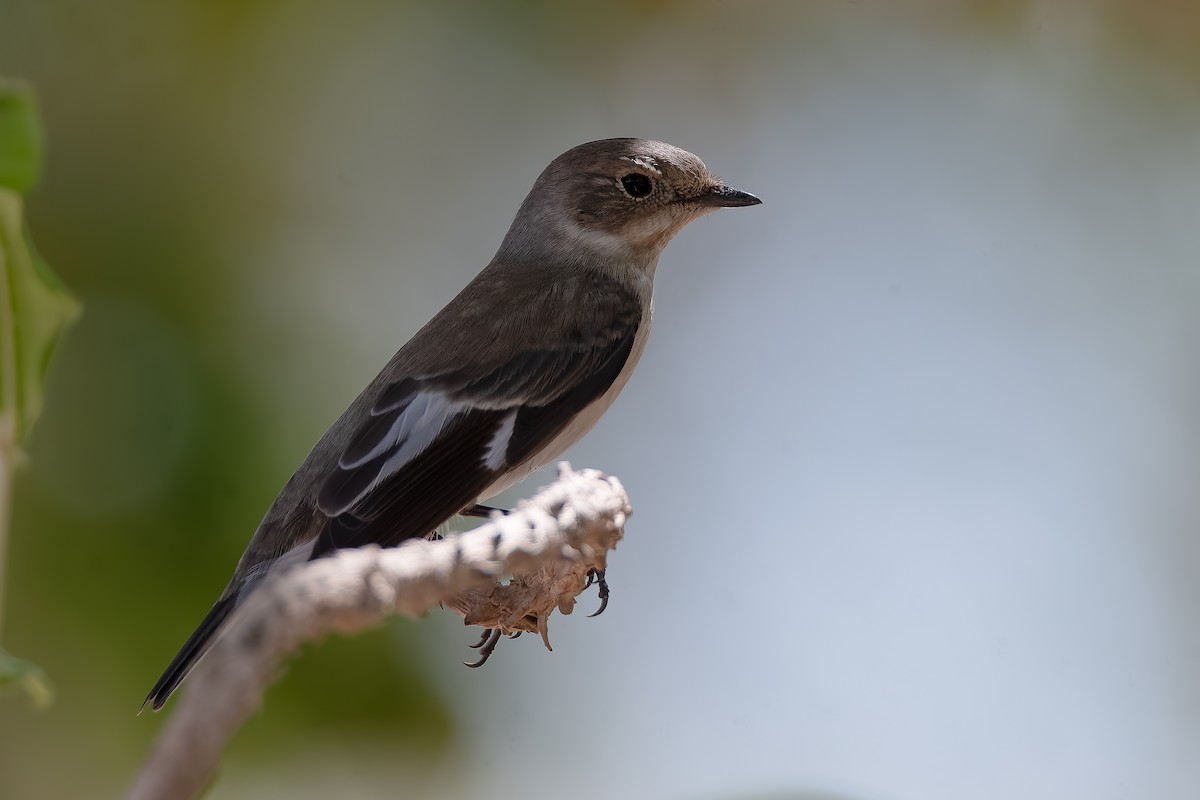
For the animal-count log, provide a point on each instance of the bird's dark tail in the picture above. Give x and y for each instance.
(196, 646)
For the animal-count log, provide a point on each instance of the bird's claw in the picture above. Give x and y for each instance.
(486, 646)
(596, 576)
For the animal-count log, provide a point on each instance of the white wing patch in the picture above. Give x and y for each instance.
(417, 426)
(414, 430)
(498, 446)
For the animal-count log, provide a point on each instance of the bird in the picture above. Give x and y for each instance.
(512, 372)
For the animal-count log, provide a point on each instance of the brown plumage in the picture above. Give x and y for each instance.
(502, 380)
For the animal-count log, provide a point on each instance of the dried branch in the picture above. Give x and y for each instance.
(548, 543)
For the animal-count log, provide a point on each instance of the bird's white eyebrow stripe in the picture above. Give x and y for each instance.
(644, 163)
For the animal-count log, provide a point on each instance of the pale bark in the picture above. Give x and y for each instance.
(548, 544)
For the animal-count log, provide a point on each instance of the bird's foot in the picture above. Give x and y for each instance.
(491, 636)
(596, 576)
(487, 645)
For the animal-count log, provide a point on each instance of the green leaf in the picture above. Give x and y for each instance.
(35, 310)
(20, 137)
(35, 307)
(27, 675)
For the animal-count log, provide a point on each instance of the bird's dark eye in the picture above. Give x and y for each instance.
(637, 184)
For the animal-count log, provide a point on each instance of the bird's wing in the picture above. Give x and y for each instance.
(433, 443)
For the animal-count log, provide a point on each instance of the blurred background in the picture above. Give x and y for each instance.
(936, 539)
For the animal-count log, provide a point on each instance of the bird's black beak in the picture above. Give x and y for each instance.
(727, 197)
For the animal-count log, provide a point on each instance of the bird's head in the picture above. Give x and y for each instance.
(616, 203)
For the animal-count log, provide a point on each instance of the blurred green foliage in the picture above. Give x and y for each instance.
(35, 310)
(156, 455)
(20, 138)
(28, 676)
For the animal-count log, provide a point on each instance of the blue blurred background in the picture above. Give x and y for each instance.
(912, 451)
